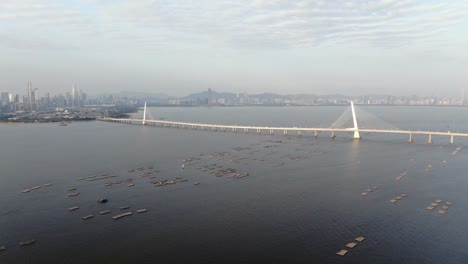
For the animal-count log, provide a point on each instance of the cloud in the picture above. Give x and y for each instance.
(241, 23)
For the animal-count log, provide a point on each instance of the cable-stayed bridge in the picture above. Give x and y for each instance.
(355, 130)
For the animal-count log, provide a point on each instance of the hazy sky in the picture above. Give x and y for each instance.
(397, 47)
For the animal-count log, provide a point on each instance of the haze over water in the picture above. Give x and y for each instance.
(302, 211)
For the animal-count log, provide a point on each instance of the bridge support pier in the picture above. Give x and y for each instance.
(333, 134)
(285, 132)
(356, 129)
(246, 130)
(315, 133)
(299, 133)
(429, 140)
(410, 139)
(144, 116)
(451, 139)
(271, 131)
(258, 131)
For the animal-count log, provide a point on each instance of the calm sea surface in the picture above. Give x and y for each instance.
(301, 202)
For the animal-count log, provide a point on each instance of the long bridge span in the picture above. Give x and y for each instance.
(284, 130)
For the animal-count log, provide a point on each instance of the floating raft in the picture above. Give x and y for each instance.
(73, 208)
(86, 217)
(360, 239)
(368, 191)
(430, 208)
(104, 212)
(100, 178)
(27, 242)
(26, 190)
(124, 207)
(36, 187)
(342, 252)
(398, 198)
(351, 244)
(439, 201)
(141, 210)
(130, 185)
(115, 217)
(73, 194)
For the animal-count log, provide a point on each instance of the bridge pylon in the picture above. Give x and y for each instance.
(355, 128)
(144, 116)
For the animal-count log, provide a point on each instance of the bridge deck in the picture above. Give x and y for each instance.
(301, 129)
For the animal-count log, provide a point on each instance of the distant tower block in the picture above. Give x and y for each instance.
(30, 92)
(209, 96)
(355, 128)
(144, 115)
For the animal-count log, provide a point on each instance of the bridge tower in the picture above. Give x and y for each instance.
(144, 116)
(355, 128)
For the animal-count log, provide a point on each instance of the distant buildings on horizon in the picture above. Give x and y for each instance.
(75, 99)
(11, 102)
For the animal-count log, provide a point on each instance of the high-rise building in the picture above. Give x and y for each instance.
(4, 97)
(209, 96)
(76, 97)
(11, 98)
(30, 92)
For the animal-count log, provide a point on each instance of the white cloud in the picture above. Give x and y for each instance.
(259, 23)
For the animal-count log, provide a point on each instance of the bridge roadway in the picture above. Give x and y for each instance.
(285, 130)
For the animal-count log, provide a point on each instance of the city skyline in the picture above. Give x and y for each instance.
(315, 47)
(31, 101)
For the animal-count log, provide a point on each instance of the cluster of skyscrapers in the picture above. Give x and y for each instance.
(11, 102)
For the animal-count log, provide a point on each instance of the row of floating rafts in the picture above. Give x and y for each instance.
(215, 155)
(443, 209)
(36, 187)
(168, 182)
(209, 167)
(189, 161)
(277, 164)
(86, 217)
(239, 175)
(222, 172)
(21, 244)
(140, 169)
(146, 174)
(403, 174)
(350, 245)
(369, 191)
(300, 157)
(456, 151)
(128, 181)
(398, 198)
(72, 192)
(428, 167)
(97, 177)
